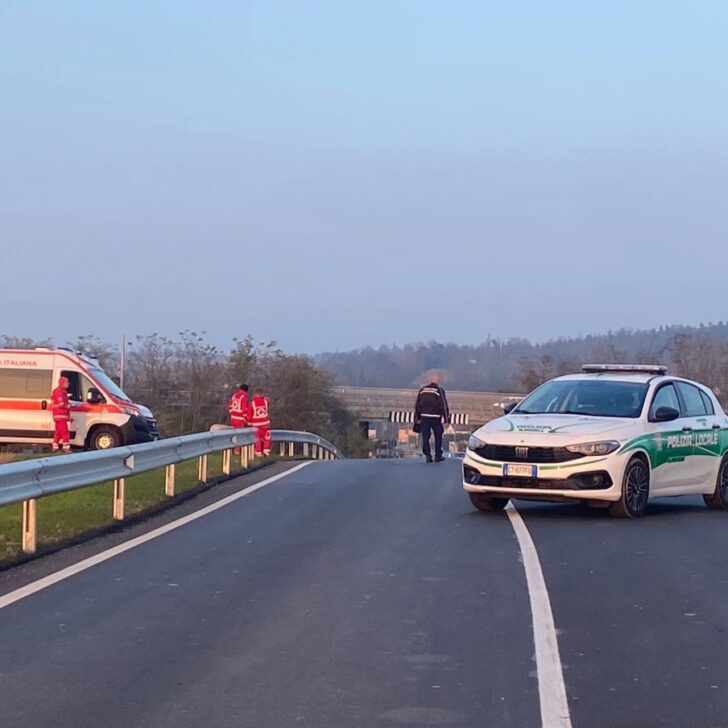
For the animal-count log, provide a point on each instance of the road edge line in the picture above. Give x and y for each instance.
(551, 687)
(35, 586)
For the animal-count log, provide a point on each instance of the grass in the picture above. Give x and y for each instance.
(66, 515)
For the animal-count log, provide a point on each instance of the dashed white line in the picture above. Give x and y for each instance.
(551, 687)
(69, 571)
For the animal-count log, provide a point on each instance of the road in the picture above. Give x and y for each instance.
(362, 594)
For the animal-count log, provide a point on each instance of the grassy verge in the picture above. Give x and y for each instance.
(67, 515)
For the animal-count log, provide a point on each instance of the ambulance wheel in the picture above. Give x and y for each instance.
(104, 438)
(487, 504)
(718, 499)
(632, 502)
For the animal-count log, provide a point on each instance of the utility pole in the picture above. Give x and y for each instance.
(122, 361)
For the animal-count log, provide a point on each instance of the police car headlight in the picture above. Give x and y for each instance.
(594, 448)
(475, 442)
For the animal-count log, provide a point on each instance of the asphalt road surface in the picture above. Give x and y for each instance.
(365, 594)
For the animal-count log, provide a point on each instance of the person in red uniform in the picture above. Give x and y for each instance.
(61, 409)
(238, 407)
(259, 418)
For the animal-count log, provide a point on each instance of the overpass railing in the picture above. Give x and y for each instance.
(27, 481)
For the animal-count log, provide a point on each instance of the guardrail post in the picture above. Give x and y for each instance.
(291, 451)
(282, 448)
(202, 469)
(305, 449)
(119, 499)
(226, 462)
(29, 526)
(169, 480)
(244, 457)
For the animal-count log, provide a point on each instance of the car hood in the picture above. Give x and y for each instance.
(545, 430)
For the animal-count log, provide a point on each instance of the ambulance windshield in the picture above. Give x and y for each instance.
(109, 384)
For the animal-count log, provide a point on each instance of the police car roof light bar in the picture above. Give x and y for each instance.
(636, 368)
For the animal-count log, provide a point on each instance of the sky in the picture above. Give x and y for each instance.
(335, 174)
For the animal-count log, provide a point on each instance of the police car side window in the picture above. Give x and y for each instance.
(708, 402)
(694, 404)
(666, 396)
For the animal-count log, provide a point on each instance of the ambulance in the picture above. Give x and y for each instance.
(103, 415)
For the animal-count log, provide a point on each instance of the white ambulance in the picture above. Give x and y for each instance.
(103, 415)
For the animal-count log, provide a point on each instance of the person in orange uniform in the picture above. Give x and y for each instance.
(61, 409)
(238, 407)
(259, 418)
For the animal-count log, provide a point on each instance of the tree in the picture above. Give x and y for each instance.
(107, 355)
(24, 342)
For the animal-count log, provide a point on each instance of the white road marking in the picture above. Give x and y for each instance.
(551, 688)
(69, 571)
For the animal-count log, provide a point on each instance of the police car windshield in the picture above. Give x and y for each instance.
(586, 397)
(109, 384)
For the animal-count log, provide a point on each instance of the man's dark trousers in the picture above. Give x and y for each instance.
(434, 426)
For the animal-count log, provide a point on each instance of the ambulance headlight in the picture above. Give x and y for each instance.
(128, 411)
(594, 448)
(475, 442)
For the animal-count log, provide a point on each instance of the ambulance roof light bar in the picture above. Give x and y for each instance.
(624, 368)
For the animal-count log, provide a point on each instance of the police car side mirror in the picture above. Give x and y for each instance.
(509, 407)
(93, 396)
(665, 414)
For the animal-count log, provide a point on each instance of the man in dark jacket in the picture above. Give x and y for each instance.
(431, 413)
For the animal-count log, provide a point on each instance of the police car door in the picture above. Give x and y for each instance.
(705, 432)
(672, 448)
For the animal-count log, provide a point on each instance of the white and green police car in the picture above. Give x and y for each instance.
(615, 436)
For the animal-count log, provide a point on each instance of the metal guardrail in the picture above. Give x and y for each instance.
(307, 439)
(29, 480)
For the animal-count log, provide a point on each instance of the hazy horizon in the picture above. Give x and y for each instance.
(223, 343)
(334, 175)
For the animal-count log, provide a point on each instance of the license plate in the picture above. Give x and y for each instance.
(520, 471)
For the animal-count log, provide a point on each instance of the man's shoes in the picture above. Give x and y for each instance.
(428, 459)
(439, 459)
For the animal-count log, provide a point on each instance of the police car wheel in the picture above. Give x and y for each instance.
(488, 504)
(104, 438)
(635, 491)
(718, 499)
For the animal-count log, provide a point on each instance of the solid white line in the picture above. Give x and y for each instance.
(551, 688)
(46, 581)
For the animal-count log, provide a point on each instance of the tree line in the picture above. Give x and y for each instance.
(517, 365)
(186, 381)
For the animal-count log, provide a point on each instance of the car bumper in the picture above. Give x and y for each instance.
(139, 429)
(596, 479)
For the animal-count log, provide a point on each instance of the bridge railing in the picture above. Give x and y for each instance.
(27, 481)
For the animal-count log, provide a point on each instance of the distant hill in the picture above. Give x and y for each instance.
(517, 364)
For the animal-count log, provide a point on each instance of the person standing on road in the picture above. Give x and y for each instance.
(431, 414)
(61, 409)
(238, 407)
(259, 418)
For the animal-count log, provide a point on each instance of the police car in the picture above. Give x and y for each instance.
(613, 436)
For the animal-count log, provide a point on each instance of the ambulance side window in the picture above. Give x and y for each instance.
(25, 384)
(74, 385)
(86, 385)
